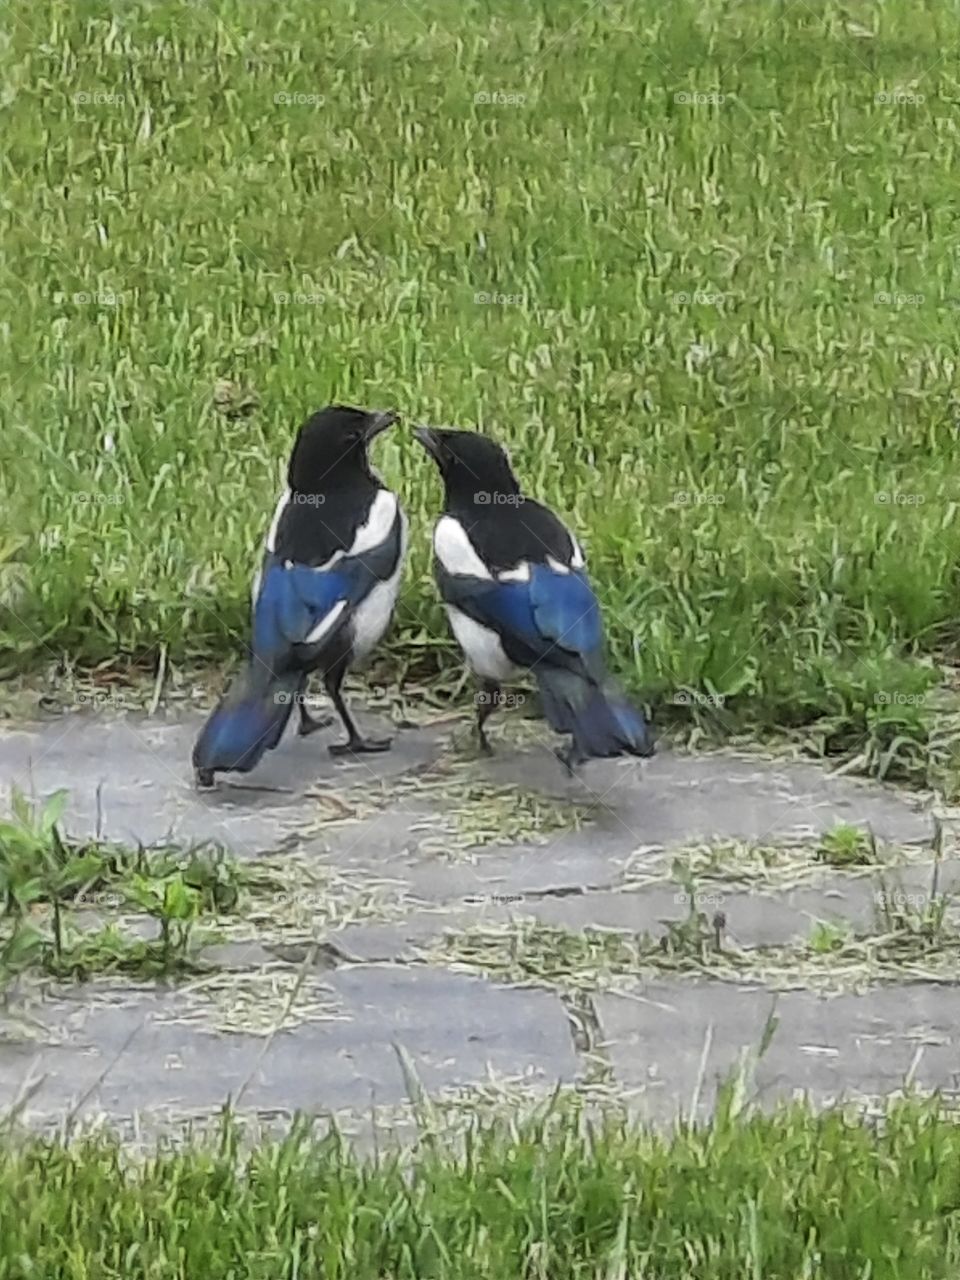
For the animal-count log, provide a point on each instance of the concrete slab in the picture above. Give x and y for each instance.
(124, 1053)
(660, 1037)
(680, 799)
(754, 917)
(129, 778)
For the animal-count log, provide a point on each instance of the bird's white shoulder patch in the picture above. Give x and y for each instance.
(328, 564)
(520, 573)
(326, 623)
(556, 565)
(282, 503)
(577, 560)
(376, 528)
(455, 551)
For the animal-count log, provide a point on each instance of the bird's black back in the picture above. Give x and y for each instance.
(506, 534)
(314, 526)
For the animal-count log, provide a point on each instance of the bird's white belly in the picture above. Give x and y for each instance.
(481, 647)
(372, 615)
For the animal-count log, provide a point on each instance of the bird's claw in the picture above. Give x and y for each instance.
(203, 779)
(360, 746)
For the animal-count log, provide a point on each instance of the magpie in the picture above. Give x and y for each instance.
(323, 596)
(513, 580)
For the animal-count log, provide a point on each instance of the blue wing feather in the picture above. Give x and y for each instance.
(566, 610)
(552, 625)
(552, 609)
(292, 601)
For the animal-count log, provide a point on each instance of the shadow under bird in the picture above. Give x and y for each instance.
(323, 597)
(513, 580)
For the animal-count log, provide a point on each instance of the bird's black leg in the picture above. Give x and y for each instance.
(356, 744)
(308, 723)
(569, 758)
(487, 700)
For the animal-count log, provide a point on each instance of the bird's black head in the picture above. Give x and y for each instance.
(474, 469)
(334, 439)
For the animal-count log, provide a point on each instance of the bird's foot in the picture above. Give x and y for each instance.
(485, 748)
(203, 779)
(360, 746)
(310, 724)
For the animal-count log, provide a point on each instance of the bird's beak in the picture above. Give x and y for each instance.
(429, 439)
(377, 422)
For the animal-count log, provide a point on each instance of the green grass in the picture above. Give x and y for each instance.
(77, 910)
(848, 846)
(47, 881)
(780, 1197)
(914, 938)
(702, 365)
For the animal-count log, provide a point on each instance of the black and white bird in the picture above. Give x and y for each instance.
(323, 597)
(513, 581)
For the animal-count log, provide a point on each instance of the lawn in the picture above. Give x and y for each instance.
(790, 1197)
(695, 263)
